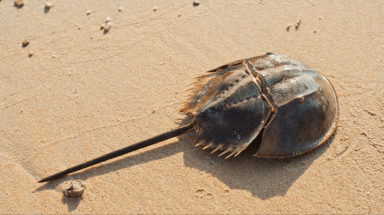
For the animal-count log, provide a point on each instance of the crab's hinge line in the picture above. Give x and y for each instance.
(260, 81)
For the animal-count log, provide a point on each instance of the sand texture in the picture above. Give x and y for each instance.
(85, 92)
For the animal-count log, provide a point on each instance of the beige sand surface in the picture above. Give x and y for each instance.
(98, 93)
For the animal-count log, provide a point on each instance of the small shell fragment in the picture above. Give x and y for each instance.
(76, 189)
(108, 19)
(155, 8)
(19, 3)
(30, 53)
(102, 26)
(48, 5)
(25, 43)
(108, 27)
(196, 3)
(88, 12)
(120, 8)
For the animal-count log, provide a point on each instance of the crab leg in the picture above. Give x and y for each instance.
(122, 151)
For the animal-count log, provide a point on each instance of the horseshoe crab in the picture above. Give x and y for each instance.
(292, 106)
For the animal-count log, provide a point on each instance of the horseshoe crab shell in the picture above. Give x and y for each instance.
(292, 106)
(296, 105)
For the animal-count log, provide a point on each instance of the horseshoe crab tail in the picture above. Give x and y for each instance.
(123, 151)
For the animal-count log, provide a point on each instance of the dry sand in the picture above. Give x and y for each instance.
(98, 93)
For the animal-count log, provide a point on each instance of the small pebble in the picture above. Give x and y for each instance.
(30, 53)
(79, 28)
(102, 26)
(76, 189)
(108, 27)
(19, 3)
(196, 3)
(120, 8)
(108, 19)
(155, 8)
(53, 56)
(179, 15)
(88, 12)
(48, 5)
(25, 43)
(314, 31)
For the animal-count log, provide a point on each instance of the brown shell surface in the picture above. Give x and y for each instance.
(296, 106)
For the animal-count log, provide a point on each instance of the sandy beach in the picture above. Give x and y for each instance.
(76, 92)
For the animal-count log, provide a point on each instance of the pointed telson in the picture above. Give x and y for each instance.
(122, 151)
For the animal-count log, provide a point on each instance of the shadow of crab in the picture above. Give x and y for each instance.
(263, 177)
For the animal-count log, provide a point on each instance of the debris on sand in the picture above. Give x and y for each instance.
(289, 26)
(108, 19)
(108, 27)
(25, 43)
(155, 9)
(30, 53)
(120, 9)
(102, 26)
(88, 12)
(19, 3)
(76, 189)
(48, 5)
(196, 3)
(298, 23)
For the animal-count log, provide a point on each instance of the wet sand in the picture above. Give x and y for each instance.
(85, 92)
